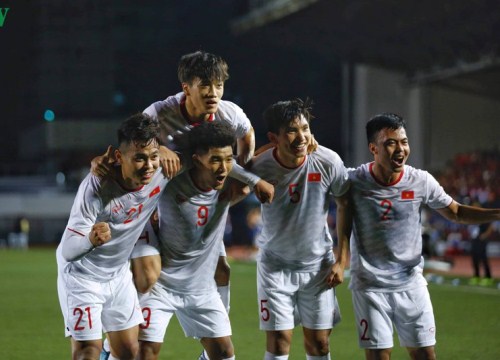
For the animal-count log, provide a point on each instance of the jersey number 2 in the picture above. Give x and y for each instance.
(387, 206)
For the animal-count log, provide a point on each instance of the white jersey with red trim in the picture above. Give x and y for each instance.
(295, 232)
(126, 212)
(173, 119)
(386, 242)
(192, 224)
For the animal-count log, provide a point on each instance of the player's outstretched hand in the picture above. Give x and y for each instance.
(100, 234)
(102, 165)
(336, 276)
(264, 191)
(170, 162)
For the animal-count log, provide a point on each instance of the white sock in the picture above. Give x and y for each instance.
(111, 357)
(323, 357)
(231, 358)
(269, 356)
(204, 355)
(224, 295)
(105, 345)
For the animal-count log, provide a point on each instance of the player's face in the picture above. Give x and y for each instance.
(203, 96)
(212, 168)
(390, 151)
(292, 142)
(138, 163)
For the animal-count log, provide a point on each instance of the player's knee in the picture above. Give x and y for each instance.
(317, 346)
(378, 354)
(150, 278)
(128, 350)
(149, 350)
(424, 353)
(146, 279)
(280, 343)
(86, 350)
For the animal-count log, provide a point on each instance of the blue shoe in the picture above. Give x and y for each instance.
(104, 355)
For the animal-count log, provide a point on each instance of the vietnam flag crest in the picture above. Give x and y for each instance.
(407, 195)
(314, 177)
(155, 191)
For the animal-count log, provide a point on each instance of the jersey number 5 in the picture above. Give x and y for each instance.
(264, 310)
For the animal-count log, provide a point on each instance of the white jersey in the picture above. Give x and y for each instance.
(126, 212)
(295, 232)
(386, 243)
(174, 120)
(192, 224)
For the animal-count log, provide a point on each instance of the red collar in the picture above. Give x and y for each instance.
(185, 114)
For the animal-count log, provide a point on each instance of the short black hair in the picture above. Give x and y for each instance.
(139, 128)
(383, 121)
(203, 65)
(206, 135)
(279, 115)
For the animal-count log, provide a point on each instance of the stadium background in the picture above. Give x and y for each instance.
(71, 71)
(93, 63)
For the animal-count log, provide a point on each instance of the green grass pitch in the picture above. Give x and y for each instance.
(468, 318)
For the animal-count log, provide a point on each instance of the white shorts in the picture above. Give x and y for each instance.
(90, 308)
(287, 298)
(410, 312)
(200, 315)
(147, 244)
(222, 251)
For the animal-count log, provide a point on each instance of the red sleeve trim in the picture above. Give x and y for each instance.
(76, 232)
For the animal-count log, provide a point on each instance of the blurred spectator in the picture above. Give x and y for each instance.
(19, 237)
(479, 247)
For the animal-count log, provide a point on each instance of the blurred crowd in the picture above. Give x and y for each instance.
(471, 179)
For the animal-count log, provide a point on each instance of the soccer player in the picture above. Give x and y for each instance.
(296, 269)
(387, 284)
(202, 76)
(193, 213)
(95, 287)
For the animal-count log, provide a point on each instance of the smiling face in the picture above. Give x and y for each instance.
(212, 168)
(138, 162)
(292, 142)
(202, 97)
(390, 151)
